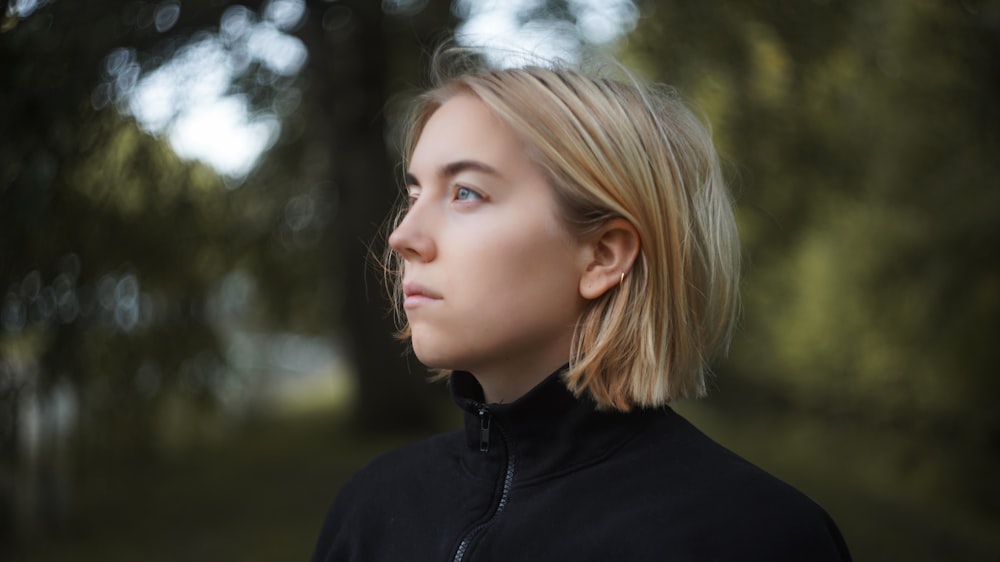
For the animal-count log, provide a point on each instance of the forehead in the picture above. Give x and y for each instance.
(464, 127)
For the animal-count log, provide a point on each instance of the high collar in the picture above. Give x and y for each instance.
(548, 430)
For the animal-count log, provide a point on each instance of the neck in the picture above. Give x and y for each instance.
(507, 385)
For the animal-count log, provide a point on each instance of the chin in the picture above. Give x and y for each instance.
(428, 358)
(437, 361)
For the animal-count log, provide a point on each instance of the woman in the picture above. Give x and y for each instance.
(568, 259)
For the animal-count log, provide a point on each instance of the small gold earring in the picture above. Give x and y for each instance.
(622, 278)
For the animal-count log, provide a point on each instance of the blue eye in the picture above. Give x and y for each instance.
(464, 194)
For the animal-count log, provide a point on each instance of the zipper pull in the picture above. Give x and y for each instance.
(484, 430)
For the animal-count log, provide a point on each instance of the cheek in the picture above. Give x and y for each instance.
(530, 270)
(508, 262)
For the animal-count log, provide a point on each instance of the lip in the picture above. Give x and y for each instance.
(416, 294)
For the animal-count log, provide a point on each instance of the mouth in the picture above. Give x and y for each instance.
(416, 294)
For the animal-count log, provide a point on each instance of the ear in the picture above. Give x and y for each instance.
(611, 253)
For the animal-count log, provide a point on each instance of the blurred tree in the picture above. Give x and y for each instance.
(865, 152)
(100, 319)
(115, 310)
(359, 59)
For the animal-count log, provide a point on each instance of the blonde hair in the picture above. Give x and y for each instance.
(614, 149)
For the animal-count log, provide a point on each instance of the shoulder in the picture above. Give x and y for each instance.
(734, 505)
(398, 468)
(365, 510)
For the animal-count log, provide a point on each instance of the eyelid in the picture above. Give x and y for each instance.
(412, 194)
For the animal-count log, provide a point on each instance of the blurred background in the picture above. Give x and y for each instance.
(193, 349)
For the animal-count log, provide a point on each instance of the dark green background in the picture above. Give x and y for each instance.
(861, 139)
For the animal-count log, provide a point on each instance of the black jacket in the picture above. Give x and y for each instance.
(550, 478)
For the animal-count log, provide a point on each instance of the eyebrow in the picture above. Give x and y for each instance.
(454, 168)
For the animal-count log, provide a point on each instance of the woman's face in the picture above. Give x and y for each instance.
(491, 275)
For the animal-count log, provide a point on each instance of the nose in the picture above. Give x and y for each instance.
(411, 238)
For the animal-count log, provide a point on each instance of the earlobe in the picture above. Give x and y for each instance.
(613, 252)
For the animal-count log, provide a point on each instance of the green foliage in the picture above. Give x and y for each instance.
(863, 138)
(123, 266)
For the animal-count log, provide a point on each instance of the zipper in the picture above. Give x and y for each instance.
(485, 426)
(484, 429)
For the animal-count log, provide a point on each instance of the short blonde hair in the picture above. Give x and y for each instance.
(612, 149)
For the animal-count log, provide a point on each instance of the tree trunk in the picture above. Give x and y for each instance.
(348, 68)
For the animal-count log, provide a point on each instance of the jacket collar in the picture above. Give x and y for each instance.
(548, 430)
